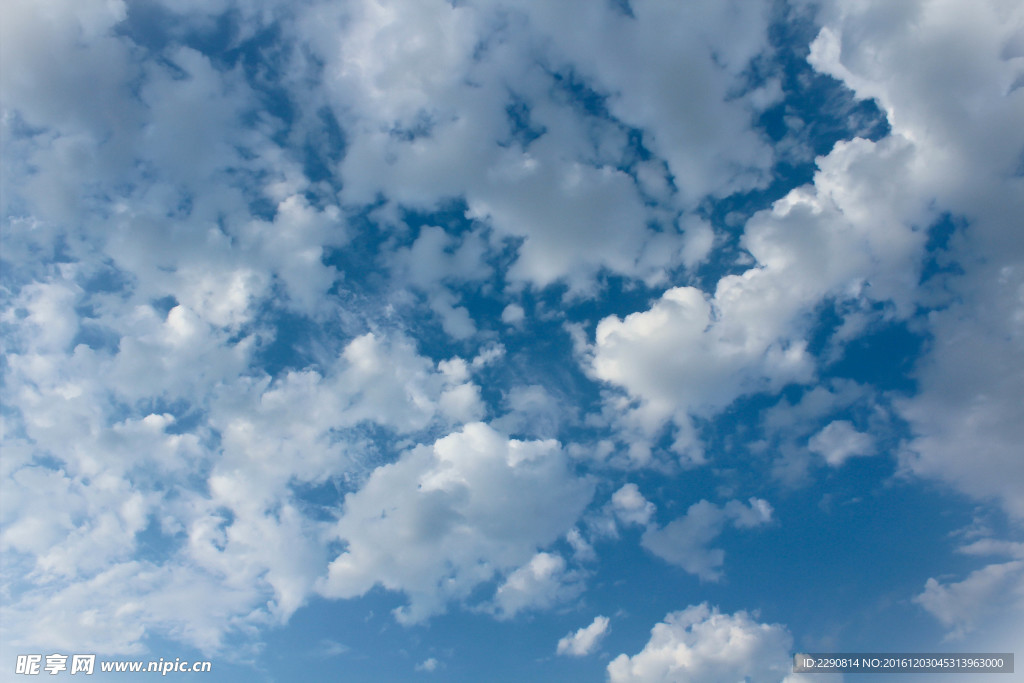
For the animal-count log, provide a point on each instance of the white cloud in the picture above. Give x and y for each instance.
(922, 61)
(982, 609)
(582, 550)
(428, 665)
(540, 583)
(224, 511)
(448, 517)
(113, 611)
(584, 640)
(630, 506)
(692, 354)
(556, 206)
(991, 593)
(686, 540)
(159, 169)
(534, 411)
(968, 421)
(676, 360)
(423, 97)
(702, 644)
(434, 260)
(839, 440)
(858, 234)
(652, 62)
(513, 314)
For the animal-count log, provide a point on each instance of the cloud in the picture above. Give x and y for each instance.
(427, 118)
(675, 361)
(542, 582)
(685, 541)
(985, 605)
(211, 303)
(113, 611)
(839, 440)
(630, 506)
(218, 511)
(986, 593)
(535, 411)
(513, 314)
(584, 640)
(434, 263)
(702, 644)
(650, 80)
(929, 58)
(450, 516)
(691, 354)
(858, 236)
(430, 664)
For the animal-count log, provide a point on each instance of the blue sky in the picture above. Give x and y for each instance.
(494, 340)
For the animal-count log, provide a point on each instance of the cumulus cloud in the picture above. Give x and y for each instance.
(675, 361)
(702, 644)
(448, 517)
(984, 605)
(513, 314)
(691, 354)
(212, 298)
(839, 440)
(630, 506)
(415, 104)
(858, 234)
(583, 641)
(641, 72)
(430, 664)
(225, 512)
(686, 540)
(966, 160)
(985, 593)
(533, 410)
(541, 583)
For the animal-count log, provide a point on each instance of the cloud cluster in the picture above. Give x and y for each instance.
(964, 158)
(857, 238)
(700, 643)
(448, 517)
(583, 641)
(481, 108)
(685, 541)
(264, 249)
(982, 607)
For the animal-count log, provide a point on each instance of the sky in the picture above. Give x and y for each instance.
(496, 340)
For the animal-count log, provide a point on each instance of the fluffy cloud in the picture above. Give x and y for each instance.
(932, 58)
(427, 112)
(542, 582)
(112, 612)
(173, 228)
(692, 354)
(630, 506)
(839, 441)
(429, 664)
(675, 361)
(986, 594)
(584, 640)
(707, 142)
(984, 606)
(221, 512)
(685, 541)
(858, 234)
(702, 644)
(448, 517)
